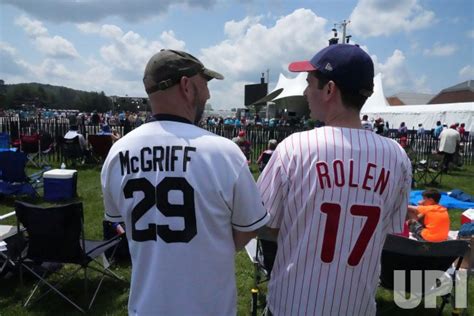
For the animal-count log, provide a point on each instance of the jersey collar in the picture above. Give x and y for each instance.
(169, 117)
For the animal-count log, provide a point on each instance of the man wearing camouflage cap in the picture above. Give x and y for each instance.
(186, 196)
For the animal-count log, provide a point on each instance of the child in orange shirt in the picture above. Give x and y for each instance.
(435, 227)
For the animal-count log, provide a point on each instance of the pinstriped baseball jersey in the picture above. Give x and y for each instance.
(334, 193)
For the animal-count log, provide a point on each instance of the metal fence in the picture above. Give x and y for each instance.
(423, 145)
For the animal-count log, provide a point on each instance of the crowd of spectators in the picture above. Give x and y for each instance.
(380, 127)
(243, 121)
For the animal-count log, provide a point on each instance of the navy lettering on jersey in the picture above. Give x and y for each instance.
(156, 158)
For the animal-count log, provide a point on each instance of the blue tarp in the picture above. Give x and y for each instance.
(446, 200)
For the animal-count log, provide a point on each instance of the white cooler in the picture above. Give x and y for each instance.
(59, 184)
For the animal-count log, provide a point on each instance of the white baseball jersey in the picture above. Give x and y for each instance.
(334, 193)
(180, 190)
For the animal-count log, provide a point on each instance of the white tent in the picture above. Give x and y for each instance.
(377, 106)
(426, 114)
(291, 87)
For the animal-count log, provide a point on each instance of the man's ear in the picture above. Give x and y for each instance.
(330, 87)
(185, 86)
(331, 90)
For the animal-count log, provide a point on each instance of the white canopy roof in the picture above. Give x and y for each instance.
(377, 106)
(291, 87)
(427, 114)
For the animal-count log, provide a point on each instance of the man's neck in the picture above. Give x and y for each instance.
(345, 118)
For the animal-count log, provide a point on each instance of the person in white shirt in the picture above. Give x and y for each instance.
(365, 123)
(449, 140)
(72, 133)
(421, 130)
(186, 196)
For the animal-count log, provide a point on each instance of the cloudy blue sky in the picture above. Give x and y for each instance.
(418, 45)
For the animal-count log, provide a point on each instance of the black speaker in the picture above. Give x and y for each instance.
(254, 92)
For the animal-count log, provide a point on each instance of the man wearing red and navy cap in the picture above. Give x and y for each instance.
(333, 194)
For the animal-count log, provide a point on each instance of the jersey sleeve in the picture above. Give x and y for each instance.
(248, 213)
(112, 212)
(402, 198)
(272, 186)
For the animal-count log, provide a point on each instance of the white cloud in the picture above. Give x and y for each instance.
(56, 46)
(106, 30)
(251, 48)
(169, 40)
(118, 69)
(234, 29)
(33, 28)
(86, 11)
(7, 48)
(385, 17)
(396, 77)
(88, 27)
(439, 49)
(421, 84)
(9, 62)
(130, 52)
(466, 72)
(50, 68)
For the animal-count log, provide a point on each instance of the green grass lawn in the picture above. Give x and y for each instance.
(112, 299)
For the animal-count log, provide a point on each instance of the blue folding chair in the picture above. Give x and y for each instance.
(13, 178)
(4, 141)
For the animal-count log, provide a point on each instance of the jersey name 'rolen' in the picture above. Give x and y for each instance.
(339, 175)
(162, 158)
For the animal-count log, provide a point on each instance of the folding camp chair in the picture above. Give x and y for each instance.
(101, 145)
(262, 253)
(56, 237)
(11, 245)
(435, 169)
(400, 253)
(30, 145)
(429, 172)
(13, 179)
(46, 147)
(6, 231)
(71, 150)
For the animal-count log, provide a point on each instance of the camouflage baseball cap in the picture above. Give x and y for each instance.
(167, 67)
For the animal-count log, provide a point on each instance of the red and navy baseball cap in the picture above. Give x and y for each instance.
(347, 65)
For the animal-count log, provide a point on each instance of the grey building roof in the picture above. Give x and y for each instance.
(463, 86)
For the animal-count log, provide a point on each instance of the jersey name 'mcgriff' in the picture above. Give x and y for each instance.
(156, 158)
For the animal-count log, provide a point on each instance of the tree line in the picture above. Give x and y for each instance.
(16, 96)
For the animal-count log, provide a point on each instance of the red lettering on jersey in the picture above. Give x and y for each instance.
(351, 174)
(382, 180)
(368, 176)
(338, 166)
(320, 165)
